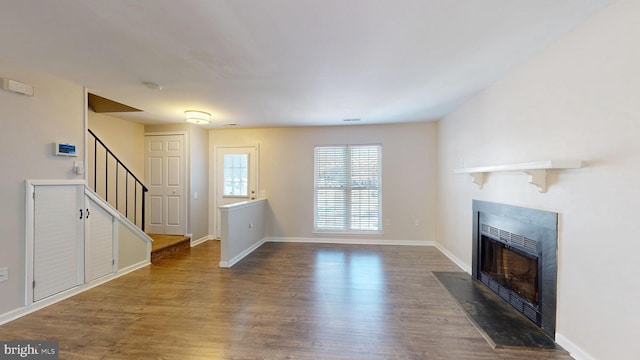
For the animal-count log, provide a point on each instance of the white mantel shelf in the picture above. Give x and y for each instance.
(537, 171)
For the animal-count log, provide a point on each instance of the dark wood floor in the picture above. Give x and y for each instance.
(284, 301)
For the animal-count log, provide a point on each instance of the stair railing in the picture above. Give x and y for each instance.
(110, 185)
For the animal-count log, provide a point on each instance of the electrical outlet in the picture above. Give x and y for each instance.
(417, 222)
(387, 222)
(4, 274)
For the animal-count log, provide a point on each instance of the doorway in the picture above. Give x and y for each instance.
(236, 177)
(165, 172)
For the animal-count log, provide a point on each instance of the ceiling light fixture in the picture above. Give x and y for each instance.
(197, 117)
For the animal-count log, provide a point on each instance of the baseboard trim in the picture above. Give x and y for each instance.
(26, 310)
(461, 264)
(574, 350)
(242, 255)
(350, 241)
(129, 269)
(201, 240)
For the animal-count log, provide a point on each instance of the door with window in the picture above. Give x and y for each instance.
(236, 176)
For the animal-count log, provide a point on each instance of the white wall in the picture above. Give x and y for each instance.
(579, 99)
(199, 182)
(132, 250)
(29, 127)
(124, 138)
(242, 230)
(286, 174)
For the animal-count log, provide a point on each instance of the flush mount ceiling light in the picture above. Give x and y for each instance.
(197, 117)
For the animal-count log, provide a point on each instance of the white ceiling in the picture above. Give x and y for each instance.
(284, 62)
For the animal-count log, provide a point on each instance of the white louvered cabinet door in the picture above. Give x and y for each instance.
(58, 236)
(99, 241)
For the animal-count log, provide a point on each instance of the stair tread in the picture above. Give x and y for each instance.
(161, 241)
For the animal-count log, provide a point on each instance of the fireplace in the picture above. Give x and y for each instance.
(515, 255)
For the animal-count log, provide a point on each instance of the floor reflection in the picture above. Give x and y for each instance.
(350, 286)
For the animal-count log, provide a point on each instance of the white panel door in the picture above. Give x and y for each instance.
(99, 241)
(236, 176)
(58, 239)
(166, 173)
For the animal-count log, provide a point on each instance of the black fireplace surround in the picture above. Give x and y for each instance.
(515, 252)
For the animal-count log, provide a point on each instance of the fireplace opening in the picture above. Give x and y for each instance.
(510, 268)
(515, 255)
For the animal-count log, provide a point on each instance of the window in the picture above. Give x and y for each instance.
(348, 189)
(236, 170)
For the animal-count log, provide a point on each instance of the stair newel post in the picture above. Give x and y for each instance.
(144, 192)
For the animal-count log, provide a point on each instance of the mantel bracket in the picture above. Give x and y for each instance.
(538, 177)
(478, 179)
(537, 171)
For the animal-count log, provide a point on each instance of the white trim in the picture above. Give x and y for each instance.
(53, 182)
(85, 141)
(116, 233)
(131, 268)
(122, 220)
(136, 230)
(574, 350)
(538, 165)
(30, 185)
(239, 205)
(164, 133)
(33, 307)
(201, 240)
(28, 241)
(350, 241)
(100, 202)
(242, 255)
(461, 264)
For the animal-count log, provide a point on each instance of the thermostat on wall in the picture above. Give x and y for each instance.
(62, 149)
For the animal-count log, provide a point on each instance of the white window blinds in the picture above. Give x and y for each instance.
(348, 189)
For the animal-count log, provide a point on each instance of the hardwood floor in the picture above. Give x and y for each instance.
(284, 301)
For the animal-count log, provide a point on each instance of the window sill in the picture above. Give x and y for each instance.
(347, 233)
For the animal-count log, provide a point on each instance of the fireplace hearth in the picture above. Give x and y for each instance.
(515, 255)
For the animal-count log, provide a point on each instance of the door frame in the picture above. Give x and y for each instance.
(187, 178)
(218, 167)
(30, 233)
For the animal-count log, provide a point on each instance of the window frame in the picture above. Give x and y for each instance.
(245, 175)
(348, 190)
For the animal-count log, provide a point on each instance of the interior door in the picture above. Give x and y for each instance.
(57, 239)
(165, 175)
(236, 176)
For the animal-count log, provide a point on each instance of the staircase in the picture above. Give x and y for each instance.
(167, 245)
(111, 180)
